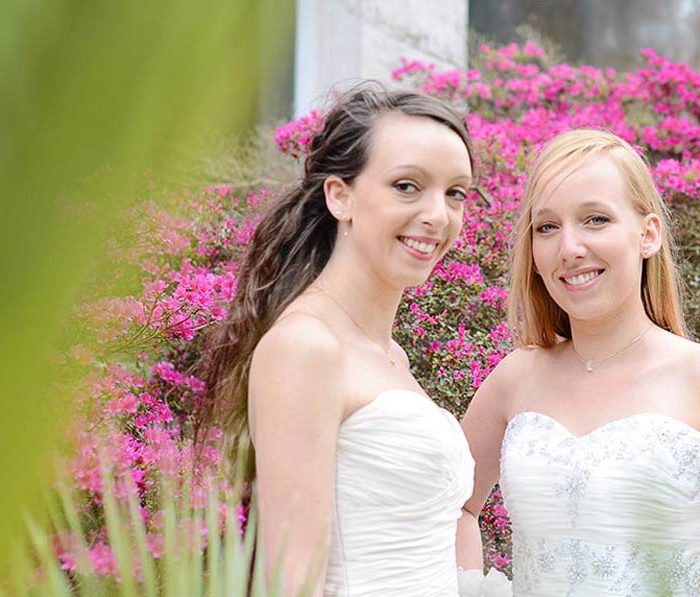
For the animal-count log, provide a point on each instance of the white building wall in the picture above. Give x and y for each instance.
(339, 42)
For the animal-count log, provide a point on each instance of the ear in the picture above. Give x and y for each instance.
(651, 236)
(338, 198)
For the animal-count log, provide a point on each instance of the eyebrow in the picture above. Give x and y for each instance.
(546, 211)
(468, 180)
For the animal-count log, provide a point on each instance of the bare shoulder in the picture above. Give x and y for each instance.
(692, 349)
(502, 390)
(496, 393)
(512, 368)
(398, 350)
(672, 350)
(299, 338)
(297, 369)
(674, 361)
(689, 356)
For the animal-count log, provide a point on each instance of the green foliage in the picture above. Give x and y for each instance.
(205, 553)
(95, 94)
(687, 213)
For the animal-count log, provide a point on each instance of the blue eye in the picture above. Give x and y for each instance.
(545, 228)
(598, 220)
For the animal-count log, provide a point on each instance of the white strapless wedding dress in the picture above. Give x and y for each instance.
(403, 472)
(614, 512)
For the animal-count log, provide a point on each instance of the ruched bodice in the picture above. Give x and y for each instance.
(403, 472)
(614, 512)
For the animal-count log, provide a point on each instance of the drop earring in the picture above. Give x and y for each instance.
(345, 219)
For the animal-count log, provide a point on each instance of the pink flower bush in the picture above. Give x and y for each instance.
(453, 327)
(295, 137)
(141, 392)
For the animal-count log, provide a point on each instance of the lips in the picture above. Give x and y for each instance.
(423, 246)
(579, 279)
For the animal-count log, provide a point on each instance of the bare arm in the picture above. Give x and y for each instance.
(296, 407)
(469, 546)
(484, 425)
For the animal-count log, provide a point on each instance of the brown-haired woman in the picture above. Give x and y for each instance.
(596, 417)
(360, 476)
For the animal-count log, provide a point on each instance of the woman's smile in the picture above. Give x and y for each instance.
(420, 247)
(581, 280)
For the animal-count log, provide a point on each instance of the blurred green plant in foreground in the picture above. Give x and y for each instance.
(205, 549)
(95, 94)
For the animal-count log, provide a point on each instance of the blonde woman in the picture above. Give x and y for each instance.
(593, 424)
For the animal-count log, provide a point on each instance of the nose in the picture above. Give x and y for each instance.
(435, 210)
(571, 246)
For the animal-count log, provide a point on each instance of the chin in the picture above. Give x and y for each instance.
(411, 280)
(407, 275)
(415, 283)
(587, 313)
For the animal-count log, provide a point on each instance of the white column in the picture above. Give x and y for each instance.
(339, 42)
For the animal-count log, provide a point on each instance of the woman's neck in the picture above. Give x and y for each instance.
(365, 299)
(597, 341)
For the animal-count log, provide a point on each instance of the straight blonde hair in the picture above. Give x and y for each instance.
(534, 317)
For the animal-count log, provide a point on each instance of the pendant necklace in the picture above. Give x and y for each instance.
(591, 364)
(387, 352)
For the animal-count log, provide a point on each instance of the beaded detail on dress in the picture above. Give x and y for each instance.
(613, 512)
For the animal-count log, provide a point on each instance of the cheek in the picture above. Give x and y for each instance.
(372, 218)
(620, 250)
(456, 222)
(539, 257)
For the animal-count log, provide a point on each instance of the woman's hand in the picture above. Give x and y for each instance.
(473, 583)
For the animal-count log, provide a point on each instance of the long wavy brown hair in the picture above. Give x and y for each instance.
(290, 247)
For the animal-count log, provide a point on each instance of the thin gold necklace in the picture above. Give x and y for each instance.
(357, 324)
(591, 364)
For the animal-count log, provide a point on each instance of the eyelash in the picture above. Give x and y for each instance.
(461, 195)
(604, 218)
(405, 183)
(541, 229)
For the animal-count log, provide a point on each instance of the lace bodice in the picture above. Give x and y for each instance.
(614, 512)
(403, 472)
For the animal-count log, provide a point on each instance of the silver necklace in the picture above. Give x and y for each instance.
(386, 351)
(591, 364)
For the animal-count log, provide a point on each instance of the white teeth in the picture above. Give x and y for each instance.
(425, 248)
(581, 278)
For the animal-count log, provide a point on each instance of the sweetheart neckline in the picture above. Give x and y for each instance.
(425, 398)
(605, 425)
